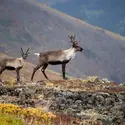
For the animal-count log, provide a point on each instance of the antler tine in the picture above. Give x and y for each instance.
(72, 38)
(69, 36)
(27, 50)
(21, 51)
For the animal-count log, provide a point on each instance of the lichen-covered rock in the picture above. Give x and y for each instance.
(110, 106)
(109, 101)
(107, 107)
(105, 80)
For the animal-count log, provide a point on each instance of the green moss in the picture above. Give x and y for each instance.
(6, 119)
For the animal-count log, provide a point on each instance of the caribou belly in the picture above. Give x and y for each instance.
(58, 62)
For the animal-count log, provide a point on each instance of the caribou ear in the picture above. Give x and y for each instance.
(76, 42)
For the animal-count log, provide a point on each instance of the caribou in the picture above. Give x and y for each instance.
(9, 63)
(58, 57)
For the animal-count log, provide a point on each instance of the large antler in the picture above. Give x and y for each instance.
(72, 38)
(22, 52)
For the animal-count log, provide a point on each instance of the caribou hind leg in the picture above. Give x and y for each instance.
(35, 69)
(1, 70)
(43, 70)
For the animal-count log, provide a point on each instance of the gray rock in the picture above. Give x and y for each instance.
(69, 101)
(100, 100)
(78, 102)
(109, 101)
(62, 106)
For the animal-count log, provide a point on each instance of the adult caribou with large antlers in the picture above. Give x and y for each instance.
(16, 64)
(57, 57)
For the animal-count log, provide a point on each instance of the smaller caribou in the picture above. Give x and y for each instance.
(16, 64)
(57, 57)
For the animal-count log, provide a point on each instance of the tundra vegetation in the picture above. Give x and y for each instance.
(90, 101)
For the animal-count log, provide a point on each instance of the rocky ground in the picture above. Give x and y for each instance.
(95, 100)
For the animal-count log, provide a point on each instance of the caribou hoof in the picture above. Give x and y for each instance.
(65, 78)
(1, 82)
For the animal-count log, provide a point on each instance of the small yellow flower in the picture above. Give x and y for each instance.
(51, 115)
(44, 116)
(49, 84)
(37, 114)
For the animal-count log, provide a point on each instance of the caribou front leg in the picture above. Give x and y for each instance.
(18, 75)
(63, 70)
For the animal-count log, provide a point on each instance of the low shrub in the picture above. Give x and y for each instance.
(29, 116)
(6, 119)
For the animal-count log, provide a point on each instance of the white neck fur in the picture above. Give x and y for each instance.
(70, 53)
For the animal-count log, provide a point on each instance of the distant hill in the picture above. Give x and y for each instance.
(27, 23)
(108, 14)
